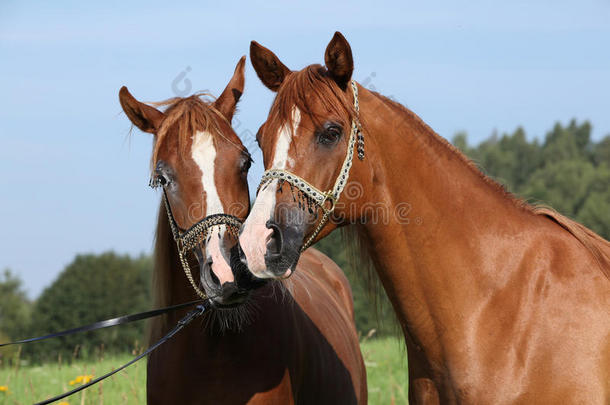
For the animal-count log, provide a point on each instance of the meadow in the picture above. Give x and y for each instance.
(385, 360)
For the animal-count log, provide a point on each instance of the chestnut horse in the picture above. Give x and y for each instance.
(291, 342)
(499, 301)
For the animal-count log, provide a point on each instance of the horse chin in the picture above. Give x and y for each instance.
(229, 318)
(230, 296)
(282, 266)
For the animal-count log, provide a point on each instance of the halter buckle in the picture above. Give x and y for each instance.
(328, 196)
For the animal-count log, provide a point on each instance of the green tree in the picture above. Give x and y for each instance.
(15, 310)
(510, 159)
(460, 141)
(564, 185)
(92, 288)
(595, 211)
(568, 171)
(601, 152)
(567, 143)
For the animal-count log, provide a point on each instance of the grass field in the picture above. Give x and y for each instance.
(385, 360)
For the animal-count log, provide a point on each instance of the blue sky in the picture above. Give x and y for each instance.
(73, 182)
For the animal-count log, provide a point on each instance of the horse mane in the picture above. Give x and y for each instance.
(444, 145)
(598, 246)
(165, 261)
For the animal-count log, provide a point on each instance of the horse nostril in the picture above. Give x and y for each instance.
(274, 244)
(213, 278)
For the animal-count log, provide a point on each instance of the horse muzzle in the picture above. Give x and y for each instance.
(279, 248)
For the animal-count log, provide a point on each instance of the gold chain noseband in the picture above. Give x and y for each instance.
(196, 235)
(326, 200)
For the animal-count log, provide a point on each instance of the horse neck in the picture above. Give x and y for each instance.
(435, 264)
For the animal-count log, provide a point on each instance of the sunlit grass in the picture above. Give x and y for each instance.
(385, 360)
(29, 384)
(386, 369)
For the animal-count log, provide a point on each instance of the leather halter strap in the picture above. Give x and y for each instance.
(195, 235)
(326, 200)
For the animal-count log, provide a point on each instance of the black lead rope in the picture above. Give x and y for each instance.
(199, 310)
(107, 323)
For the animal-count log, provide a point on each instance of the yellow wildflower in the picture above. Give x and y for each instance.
(81, 379)
(63, 403)
(3, 388)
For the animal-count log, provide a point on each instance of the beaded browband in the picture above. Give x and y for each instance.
(326, 200)
(196, 234)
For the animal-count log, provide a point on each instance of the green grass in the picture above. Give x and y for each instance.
(386, 369)
(36, 383)
(385, 361)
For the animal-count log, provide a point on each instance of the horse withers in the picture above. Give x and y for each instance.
(292, 341)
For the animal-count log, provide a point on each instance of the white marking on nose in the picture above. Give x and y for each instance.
(255, 234)
(203, 153)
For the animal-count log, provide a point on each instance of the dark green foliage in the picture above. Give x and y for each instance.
(14, 306)
(568, 171)
(15, 310)
(511, 158)
(371, 306)
(92, 288)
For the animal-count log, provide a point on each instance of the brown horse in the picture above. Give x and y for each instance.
(499, 301)
(291, 342)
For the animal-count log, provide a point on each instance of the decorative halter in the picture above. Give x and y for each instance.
(196, 234)
(311, 195)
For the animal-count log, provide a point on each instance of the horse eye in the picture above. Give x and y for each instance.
(245, 165)
(329, 135)
(162, 177)
(163, 174)
(163, 181)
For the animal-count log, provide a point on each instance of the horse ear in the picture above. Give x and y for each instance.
(227, 101)
(339, 61)
(268, 67)
(143, 116)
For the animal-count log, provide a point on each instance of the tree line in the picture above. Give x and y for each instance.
(90, 289)
(566, 170)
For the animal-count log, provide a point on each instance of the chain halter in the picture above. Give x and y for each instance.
(196, 234)
(311, 195)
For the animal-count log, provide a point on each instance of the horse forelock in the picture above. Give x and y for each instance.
(187, 116)
(310, 90)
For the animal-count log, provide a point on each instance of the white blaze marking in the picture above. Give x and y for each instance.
(203, 153)
(281, 160)
(255, 235)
